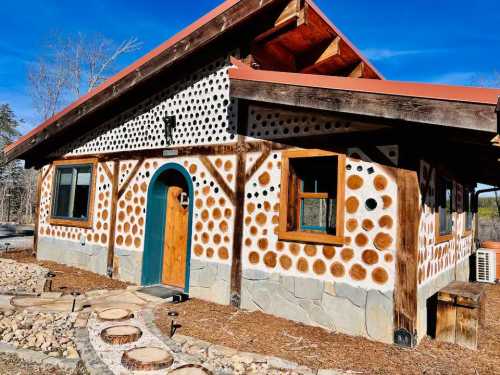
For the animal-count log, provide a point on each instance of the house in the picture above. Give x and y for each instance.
(258, 159)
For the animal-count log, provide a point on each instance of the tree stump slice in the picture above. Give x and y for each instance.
(147, 359)
(115, 315)
(190, 369)
(119, 335)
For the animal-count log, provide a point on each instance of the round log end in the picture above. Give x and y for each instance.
(119, 335)
(115, 314)
(190, 369)
(147, 359)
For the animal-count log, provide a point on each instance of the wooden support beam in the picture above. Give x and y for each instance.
(362, 70)
(260, 160)
(337, 56)
(236, 265)
(39, 181)
(106, 170)
(112, 222)
(131, 175)
(396, 108)
(218, 178)
(291, 17)
(405, 288)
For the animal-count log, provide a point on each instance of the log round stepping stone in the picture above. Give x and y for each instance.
(114, 314)
(119, 335)
(147, 359)
(190, 369)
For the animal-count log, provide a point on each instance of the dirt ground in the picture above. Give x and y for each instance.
(68, 279)
(317, 348)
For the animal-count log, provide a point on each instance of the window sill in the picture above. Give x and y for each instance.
(440, 238)
(319, 238)
(71, 223)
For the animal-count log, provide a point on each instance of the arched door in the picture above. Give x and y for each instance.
(167, 244)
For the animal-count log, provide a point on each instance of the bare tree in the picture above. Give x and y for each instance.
(72, 66)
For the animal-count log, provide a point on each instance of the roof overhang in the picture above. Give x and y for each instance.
(456, 107)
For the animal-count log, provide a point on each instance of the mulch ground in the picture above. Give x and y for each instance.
(317, 348)
(68, 279)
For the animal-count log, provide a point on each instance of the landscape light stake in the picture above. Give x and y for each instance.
(50, 276)
(173, 327)
(74, 294)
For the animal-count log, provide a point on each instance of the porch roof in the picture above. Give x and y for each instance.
(472, 108)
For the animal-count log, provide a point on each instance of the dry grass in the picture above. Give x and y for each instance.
(318, 348)
(68, 279)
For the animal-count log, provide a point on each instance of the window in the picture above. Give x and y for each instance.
(468, 206)
(311, 208)
(444, 223)
(72, 197)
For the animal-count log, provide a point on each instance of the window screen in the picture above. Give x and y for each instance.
(445, 207)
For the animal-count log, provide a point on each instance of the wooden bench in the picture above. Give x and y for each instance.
(460, 312)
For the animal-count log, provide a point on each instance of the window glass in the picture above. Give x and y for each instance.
(72, 192)
(315, 184)
(445, 189)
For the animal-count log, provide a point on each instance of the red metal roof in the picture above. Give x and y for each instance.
(421, 90)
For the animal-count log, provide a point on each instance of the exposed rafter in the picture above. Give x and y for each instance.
(302, 40)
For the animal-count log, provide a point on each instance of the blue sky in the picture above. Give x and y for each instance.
(445, 41)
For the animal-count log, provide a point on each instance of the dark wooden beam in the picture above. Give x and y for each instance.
(112, 221)
(239, 13)
(218, 178)
(131, 175)
(404, 109)
(405, 288)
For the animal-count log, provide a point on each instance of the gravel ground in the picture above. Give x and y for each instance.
(11, 365)
(317, 348)
(68, 279)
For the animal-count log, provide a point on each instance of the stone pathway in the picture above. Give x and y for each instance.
(188, 356)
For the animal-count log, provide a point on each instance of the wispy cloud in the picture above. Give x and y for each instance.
(458, 78)
(377, 54)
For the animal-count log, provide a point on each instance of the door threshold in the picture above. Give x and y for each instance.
(165, 292)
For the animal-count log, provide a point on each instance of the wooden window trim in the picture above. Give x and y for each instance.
(300, 236)
(440, 238)
(87, 224)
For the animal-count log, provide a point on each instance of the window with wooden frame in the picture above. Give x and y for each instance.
(73, 193)
(468, 199)
(312, 197)
(444, 209)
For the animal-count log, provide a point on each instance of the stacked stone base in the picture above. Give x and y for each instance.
(337, 307)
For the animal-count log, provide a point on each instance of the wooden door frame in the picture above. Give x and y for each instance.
(156, 218)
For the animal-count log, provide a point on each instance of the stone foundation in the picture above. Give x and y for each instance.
(88, 257)
(210, 281)
(334, 306)
(91, 257)
(460, 273)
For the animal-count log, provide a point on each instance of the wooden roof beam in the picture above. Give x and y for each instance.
(335, 57)
(383, 107)
(362, 70)
(290, 18)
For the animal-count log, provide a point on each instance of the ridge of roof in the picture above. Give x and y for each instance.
(478, 95)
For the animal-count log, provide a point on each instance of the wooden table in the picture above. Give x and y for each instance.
(460, 312)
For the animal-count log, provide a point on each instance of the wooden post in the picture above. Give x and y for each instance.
(239, 199)
(39, 180)
(112, 222)
(405, 288)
